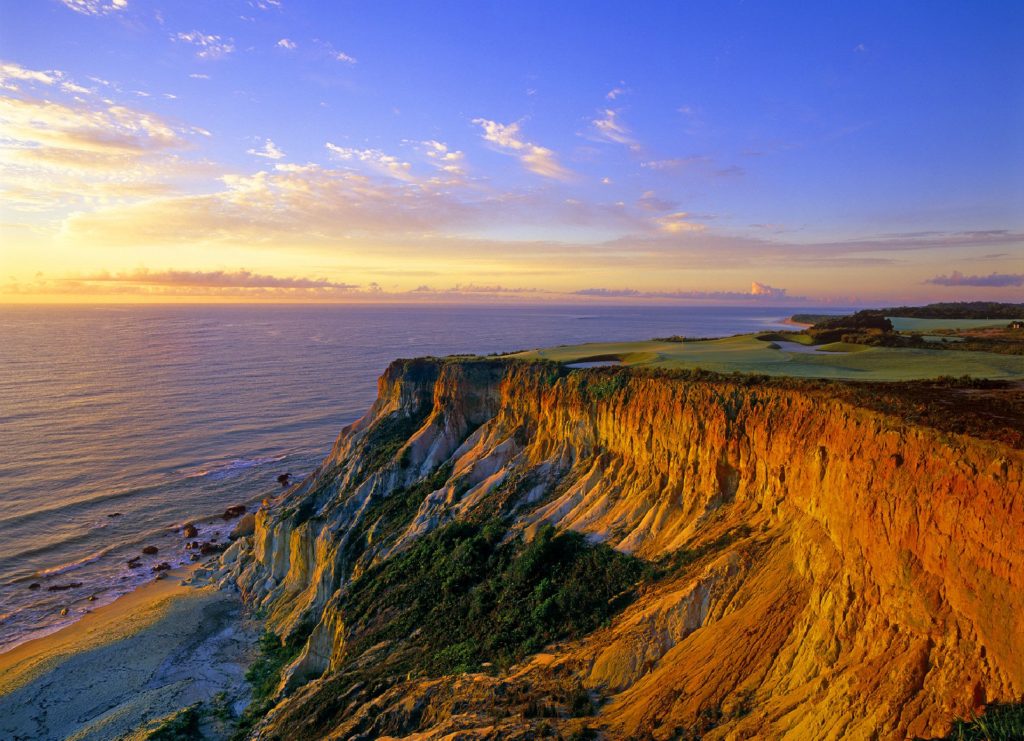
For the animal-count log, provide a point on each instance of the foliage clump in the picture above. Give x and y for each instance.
(999, 722)
(470, 597)
(265, 674)
(182, 726)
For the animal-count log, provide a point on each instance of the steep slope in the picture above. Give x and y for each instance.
(818, 569)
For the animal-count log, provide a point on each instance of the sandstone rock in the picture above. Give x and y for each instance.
(245, 527)
(862, 575)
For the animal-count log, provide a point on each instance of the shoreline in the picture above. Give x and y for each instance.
(790, 321)
(149, 653)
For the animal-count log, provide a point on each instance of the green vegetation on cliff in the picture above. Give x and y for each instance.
(467, 596)
(999, 722)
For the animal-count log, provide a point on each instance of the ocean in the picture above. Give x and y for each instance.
(118, 424)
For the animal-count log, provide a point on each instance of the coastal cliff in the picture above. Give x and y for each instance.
(805, 566)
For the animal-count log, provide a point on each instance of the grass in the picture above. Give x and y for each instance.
(747, 354)
(182, 726)
(265, 674)
(999, 722)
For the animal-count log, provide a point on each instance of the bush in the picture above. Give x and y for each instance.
(182, 726)
(470, 598)
(999, 722)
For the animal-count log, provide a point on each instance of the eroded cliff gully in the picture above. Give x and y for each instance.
(847, 574)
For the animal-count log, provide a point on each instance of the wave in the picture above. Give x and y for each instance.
(77, 563)
(225, 469)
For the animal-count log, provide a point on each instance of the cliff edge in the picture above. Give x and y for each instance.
(784, 559)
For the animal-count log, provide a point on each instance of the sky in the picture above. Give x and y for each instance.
(711, 152)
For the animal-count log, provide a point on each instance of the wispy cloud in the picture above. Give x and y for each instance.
(373, 159)
(615, 92)
(11, 74)
(213, 279)
(287, 44)
(674, 163)
(96, 7)
(609, 127)
(443, 158)
(993, 280)
(343, 57)
(759, 292)
(269, 151)
(677, 223)
(535, 158)
(209, 46)
(182, 284)
(55, 154)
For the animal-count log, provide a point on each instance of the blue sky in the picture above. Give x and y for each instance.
(353, 151)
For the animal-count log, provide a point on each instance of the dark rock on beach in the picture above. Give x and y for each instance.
(162, 566)
(207, 548)
(190, 530)
(235, 510)
(150, 550)
(34, 585)
(62, 587)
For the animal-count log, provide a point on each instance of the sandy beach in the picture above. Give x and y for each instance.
(150, 653)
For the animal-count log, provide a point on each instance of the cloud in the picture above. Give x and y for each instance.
(199, 76)
(615, 92)
(634, 293)
(610, 128)
(649, 201)
(177, 284)
(535, 158)
(10, 71)
(444, 158)
(677, 222)
(210, 46)
(674, 163)
(96, 7)
(287, 44)
(213, 279)
(374, 159)
(993, 280)
(54, 154)
(269, 151)
(343, 57)
(763, 289)
(105, 129)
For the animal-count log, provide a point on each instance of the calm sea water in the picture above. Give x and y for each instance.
(167, 415)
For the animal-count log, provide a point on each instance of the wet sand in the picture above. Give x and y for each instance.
(144, 656)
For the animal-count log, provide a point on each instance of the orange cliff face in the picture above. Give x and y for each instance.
(852, 575)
